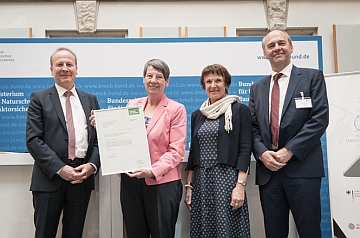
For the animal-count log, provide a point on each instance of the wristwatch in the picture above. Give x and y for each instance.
(242, 182)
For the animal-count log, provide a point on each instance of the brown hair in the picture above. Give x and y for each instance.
(219, 70)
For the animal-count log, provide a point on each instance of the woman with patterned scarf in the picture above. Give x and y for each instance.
(219, 160)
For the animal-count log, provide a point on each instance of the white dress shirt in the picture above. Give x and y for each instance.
(80, 124)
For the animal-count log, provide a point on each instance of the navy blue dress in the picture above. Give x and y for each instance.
(211, 214)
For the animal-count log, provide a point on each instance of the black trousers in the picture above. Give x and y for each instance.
(72, 200)
(300, 195)
(149, 209)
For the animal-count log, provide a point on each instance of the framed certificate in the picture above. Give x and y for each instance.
(122, 139)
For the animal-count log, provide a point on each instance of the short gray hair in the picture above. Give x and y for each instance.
(263, 40)
(60, 49)
(159, 65)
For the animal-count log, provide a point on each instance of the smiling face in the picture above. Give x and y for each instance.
(154, 81)
(277, 49)
(64, 68)
(216, 80)
(215, 87)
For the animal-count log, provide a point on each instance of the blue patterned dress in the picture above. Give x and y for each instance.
(211, 214)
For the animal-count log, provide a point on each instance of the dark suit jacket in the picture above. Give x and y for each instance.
(300, 129)
(234, 148)
(46, 138)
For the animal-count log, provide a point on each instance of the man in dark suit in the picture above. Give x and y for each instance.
(287, 148)
(61, 181)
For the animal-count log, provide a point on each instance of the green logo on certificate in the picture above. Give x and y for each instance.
(133, 111)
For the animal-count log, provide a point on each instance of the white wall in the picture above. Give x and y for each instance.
(232, 14)
(324, 14)
(180, 14)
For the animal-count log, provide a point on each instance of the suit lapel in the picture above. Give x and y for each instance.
(265, 98)
(54, 98)
(293, 82)
(160, 109)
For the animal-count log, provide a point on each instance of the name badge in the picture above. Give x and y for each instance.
(303, 102)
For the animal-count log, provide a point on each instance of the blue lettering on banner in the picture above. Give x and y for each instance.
(112, 92)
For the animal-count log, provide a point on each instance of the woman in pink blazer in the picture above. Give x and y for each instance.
(150, 198)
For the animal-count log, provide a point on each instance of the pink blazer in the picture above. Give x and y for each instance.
(166, 135)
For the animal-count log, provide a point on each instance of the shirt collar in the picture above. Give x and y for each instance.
(62, 90)
(285, 71)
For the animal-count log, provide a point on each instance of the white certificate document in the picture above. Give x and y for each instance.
(122, 139)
